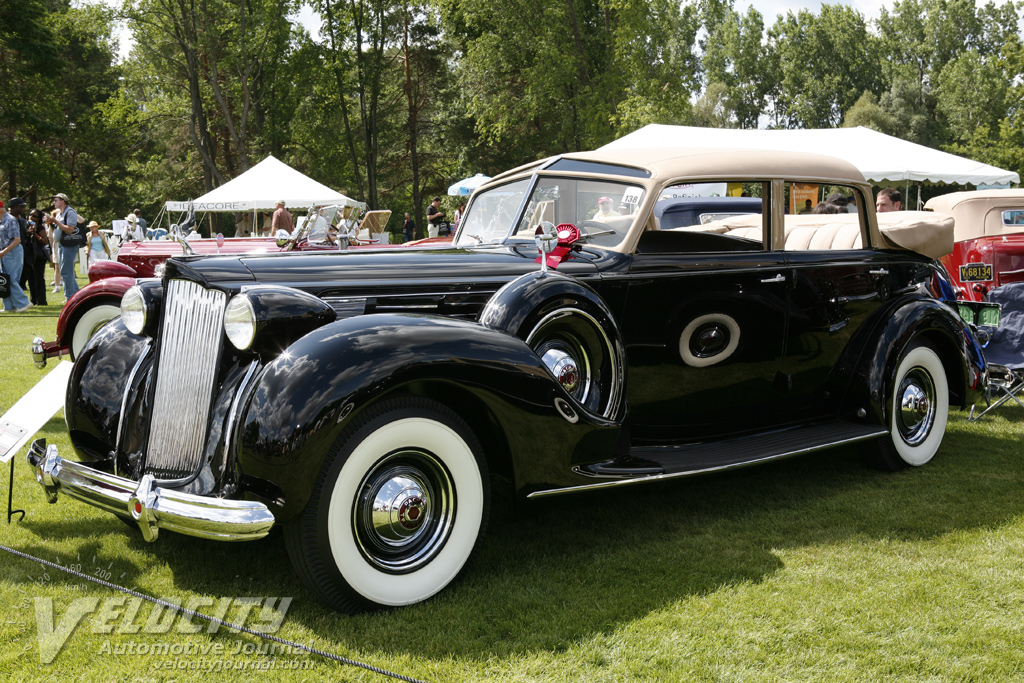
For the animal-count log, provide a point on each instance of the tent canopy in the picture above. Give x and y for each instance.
(467, 185)
(880, 157)
(262, 186)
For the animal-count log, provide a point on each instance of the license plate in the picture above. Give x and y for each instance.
(976, 272)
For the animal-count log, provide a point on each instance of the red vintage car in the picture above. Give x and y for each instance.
(100, 301)
(988, 249)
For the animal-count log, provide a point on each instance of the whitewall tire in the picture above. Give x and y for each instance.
(398, 510)
(89, 323)
(918, 410)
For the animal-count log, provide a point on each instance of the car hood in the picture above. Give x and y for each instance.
(370, 271)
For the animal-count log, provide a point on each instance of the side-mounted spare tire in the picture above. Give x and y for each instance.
(573, 331)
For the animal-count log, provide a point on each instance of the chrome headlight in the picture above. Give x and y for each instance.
(133, 310)
(267, 319)
(240, 322)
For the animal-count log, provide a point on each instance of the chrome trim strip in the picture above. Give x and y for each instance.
(692, 273)
(153, 507)
(124, 399)
(678, 475)
(240, 393)
(399, 307)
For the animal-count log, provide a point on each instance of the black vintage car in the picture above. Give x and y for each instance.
(370, 402)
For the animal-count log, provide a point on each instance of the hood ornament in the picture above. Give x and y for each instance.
(180, 232)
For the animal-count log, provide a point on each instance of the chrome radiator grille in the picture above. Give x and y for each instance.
(190, 346)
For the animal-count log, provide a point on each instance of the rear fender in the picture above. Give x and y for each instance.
(301, 402)
(921, 320)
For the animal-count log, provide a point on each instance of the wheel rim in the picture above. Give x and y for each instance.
(915, 413)
(404, 511)
(578, 353)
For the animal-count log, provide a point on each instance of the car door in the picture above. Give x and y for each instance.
(704, 326)
(836, 284)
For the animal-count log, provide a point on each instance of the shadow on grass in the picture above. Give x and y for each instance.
(564, 570)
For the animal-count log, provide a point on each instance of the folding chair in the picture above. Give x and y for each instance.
(1005, 351)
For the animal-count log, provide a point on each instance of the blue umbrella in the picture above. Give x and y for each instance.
(468, 185)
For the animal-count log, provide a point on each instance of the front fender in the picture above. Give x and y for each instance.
(923, 320)
(103, 270)
(302, 402)
(113, 287)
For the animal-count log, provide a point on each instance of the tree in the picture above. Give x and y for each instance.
(867, 112)
(736, 56)
(827, 62)
(225, 59)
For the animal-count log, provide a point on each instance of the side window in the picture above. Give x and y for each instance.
(1013, 218)
(821, 217)
(708, 217)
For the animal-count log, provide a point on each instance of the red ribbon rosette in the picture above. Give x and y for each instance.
(567, 234)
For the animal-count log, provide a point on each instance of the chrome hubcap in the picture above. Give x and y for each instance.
(404, 512)
(916, 411)
(563, 367)
(710, 340)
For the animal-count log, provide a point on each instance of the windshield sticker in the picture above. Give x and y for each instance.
(633, 195)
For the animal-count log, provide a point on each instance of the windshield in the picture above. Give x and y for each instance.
(603, 211)
(323, 224)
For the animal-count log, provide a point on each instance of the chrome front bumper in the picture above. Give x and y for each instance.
(152, 507)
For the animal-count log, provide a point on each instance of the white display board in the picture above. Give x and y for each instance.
(33, 410)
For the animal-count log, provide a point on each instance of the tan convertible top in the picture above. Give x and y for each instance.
(979, 213)
(695, 163)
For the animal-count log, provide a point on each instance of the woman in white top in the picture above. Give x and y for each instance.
(99, 250)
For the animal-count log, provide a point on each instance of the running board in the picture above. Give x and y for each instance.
(658, 463)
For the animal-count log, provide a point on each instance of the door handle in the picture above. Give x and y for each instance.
(778, 278)
(880, 272)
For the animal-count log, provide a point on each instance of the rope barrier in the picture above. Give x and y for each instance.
(214, 620)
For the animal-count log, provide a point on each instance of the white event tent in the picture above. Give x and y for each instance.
(262, 186)
(880, 157)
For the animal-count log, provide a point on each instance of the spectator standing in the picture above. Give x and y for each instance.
(408, 228)
(457, 218)
(71, 240)
(12, 256)
(140, 220)
(16, 207)
(58, 284)
(282, 220)
(98, 250)
(435, 217)
(40, 237)
(888, 199)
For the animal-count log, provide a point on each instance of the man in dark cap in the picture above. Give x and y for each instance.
(16, 205)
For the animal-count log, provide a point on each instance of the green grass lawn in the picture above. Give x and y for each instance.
(811, 569)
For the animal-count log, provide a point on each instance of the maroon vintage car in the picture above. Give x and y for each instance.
(988, 249)
(100, 301)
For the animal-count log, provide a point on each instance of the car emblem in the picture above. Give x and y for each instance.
(410, 514)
